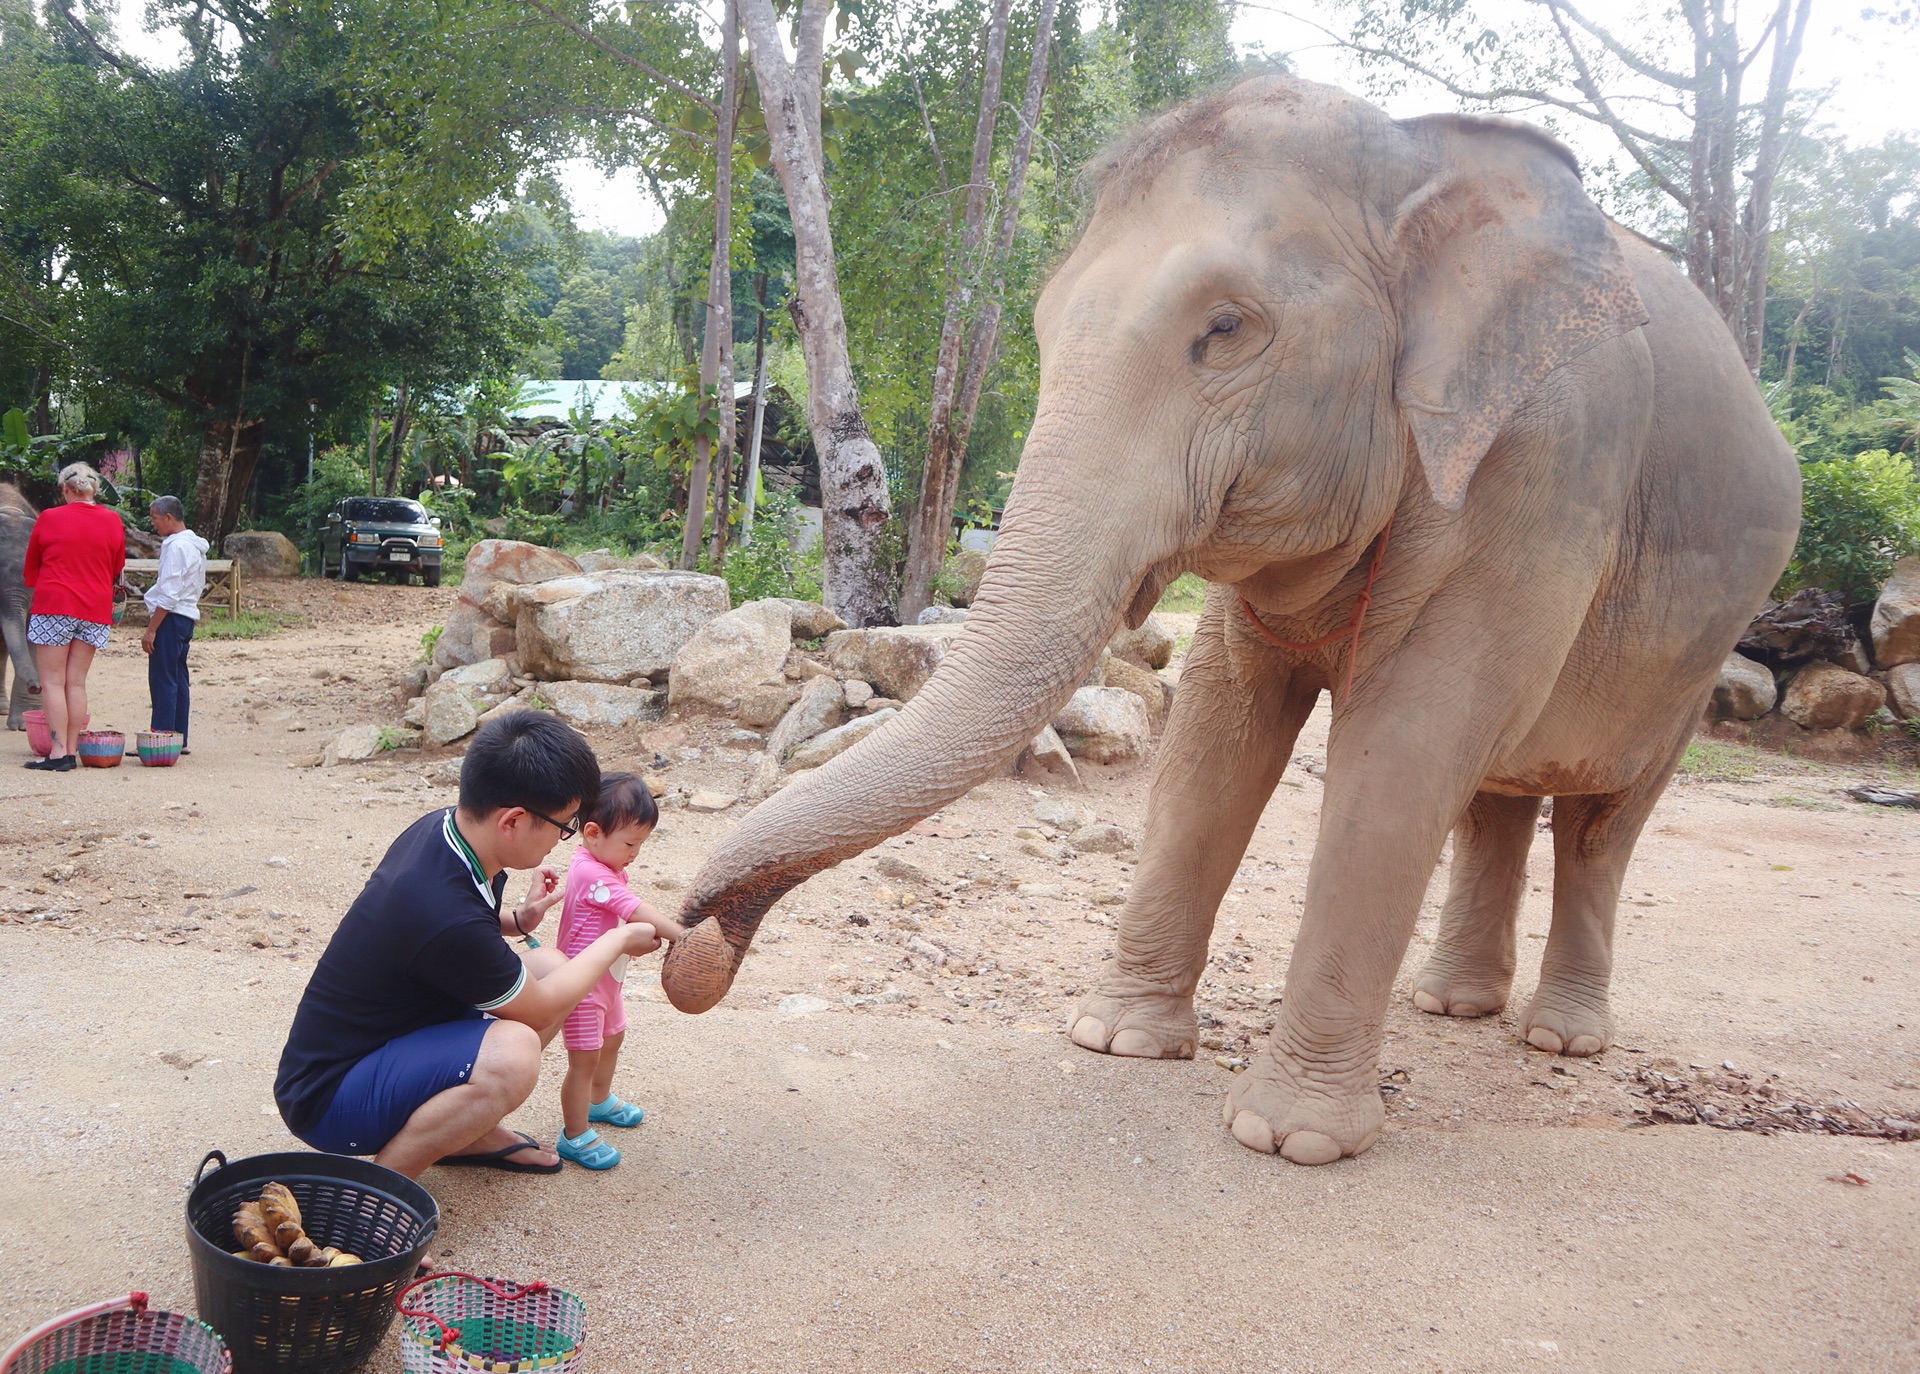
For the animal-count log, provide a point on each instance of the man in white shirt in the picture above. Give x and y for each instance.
(173, 604)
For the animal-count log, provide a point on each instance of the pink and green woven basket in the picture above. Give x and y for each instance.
(120, 1336)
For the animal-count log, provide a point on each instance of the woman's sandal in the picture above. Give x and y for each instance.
(614, 1112)
(66, 763)
(586, 1149)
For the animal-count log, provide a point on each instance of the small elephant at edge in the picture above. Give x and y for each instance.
(16, 527)
(1320, 355)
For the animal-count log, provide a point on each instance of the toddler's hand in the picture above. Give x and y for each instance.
(639, 938)
(670, 931)
(542, 893)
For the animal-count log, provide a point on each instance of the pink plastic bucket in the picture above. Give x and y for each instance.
(39, 737)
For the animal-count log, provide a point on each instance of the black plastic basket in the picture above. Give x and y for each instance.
(316, 1321)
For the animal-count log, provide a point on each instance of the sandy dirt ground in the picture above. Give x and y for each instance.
(926, 1175)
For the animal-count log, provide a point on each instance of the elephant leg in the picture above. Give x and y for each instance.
(1593, 839)
(26, 677)
(1470, 970)
(1231, 730)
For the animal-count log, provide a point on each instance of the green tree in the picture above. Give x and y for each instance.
(196, 214)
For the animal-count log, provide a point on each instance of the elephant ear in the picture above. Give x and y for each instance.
(1506, 270)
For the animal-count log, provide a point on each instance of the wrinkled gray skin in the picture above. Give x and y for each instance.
(1289, 319)
(16, 526)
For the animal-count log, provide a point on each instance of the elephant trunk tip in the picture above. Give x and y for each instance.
(699, 970)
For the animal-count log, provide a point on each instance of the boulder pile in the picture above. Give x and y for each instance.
(1805, 661)
(606, 642)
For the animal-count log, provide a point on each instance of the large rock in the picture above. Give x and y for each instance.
(1104, 725)
(613, 626)
(1896, 617)
(1144, 683)
(354, 744)
(941, 615)
(449, 711)
(468, 636)
(847, 652)
(512, 561)
(820, 748)
(481, 624)
(763, 706)
(491, 675)
(596, 705)
(1050, 755)
(898, 660)
(1745, 690)
(810, 619)
(1151, 644)
(1903, 690)
(960, 579)
(821, 706)
(1823, 696)
(729, 656)
(262, 553)
(600, 560)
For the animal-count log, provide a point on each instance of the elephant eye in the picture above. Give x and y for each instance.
(1223, 324)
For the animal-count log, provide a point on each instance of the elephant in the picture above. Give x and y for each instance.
(1446, 444)
(16, 527)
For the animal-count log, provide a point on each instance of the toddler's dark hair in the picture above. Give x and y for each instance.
(623, 800)
(530, 759)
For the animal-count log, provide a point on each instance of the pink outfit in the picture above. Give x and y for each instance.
(597, 900)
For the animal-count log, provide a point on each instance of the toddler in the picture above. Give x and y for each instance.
(598, 900)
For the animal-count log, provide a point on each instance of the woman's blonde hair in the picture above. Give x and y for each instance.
(80, 478)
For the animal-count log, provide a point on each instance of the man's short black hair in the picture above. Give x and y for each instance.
(624, 799)
(530, 759)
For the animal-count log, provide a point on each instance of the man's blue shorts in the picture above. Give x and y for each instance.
(379, 1093)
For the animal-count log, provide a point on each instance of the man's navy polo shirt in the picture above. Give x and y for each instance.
(420, 946)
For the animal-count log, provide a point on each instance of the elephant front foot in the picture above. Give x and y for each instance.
(1276, 1108)
(1150, 1025)
(1439, 991)
(1562, 1024)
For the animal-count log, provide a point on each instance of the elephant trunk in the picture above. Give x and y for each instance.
(1058, 579)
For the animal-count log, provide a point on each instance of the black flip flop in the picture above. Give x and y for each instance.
(502, 1159)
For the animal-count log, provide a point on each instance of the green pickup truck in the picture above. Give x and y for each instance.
(366, 534)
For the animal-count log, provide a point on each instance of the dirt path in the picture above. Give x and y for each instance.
(926, 1175)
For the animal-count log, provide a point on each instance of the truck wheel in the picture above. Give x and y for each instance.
(430, 577)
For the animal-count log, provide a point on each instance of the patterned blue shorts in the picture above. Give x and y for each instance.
(56, 630)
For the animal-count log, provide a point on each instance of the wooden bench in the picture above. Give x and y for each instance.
(223, 580)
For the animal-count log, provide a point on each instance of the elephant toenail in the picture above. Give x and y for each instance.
(1254, 1131)
(1543, 1039)
(1134, 1044)
(1090, 1034)
(1430, 1004)
(1309, 1147)
(1582, 1045)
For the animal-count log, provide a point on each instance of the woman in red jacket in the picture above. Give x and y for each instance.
(74, 557)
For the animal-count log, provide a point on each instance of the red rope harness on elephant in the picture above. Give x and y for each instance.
(1351, 628)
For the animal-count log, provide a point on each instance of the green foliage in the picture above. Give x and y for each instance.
(1861, 513)
(768, 565)
(249, 624)
(41, 456)
(1712, 761)
(1184, 595)
(428, 640)
(337, 474)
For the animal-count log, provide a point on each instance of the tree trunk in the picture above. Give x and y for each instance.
(750, 495)
(852, 478)
(228, 453)
(932, 512)
(400, 427)
(373, 452)
(957, 397)
(716, 352)
(723, 191)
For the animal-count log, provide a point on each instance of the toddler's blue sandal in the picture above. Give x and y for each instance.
(587, 1149)
(614, 1112)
